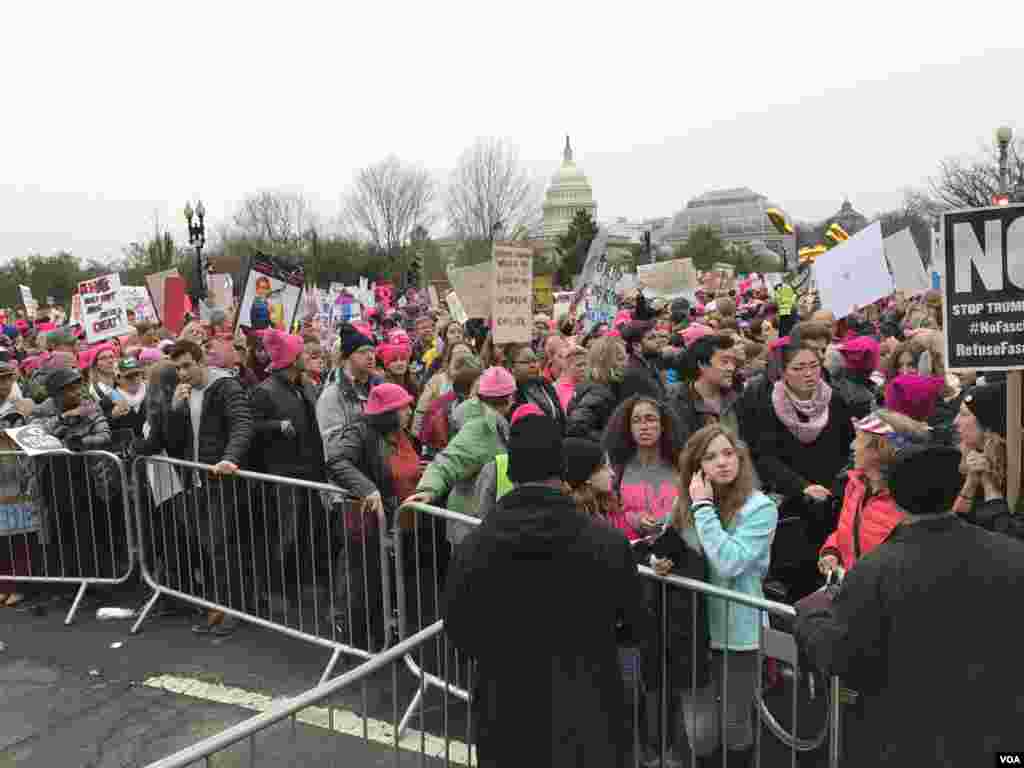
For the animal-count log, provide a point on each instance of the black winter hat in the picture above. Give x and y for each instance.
(60, 378)
(680, 311)
(352, 340)
(926, 480)
(582, 459)
(534, 450)
(988, 404)
(634, 331)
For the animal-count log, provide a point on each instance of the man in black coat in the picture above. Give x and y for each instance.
(924, 629)
(287, 443)
(210, 422)
(535, 595)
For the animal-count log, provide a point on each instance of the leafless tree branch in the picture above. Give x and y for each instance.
(275, 217)
(388, 201)
(488, 188)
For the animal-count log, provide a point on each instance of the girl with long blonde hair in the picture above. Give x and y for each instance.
(720, 510)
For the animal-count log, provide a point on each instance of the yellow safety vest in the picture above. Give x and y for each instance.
(503, 484)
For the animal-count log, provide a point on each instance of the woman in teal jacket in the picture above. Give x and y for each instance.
(734, 525)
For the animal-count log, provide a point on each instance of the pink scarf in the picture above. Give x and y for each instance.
(805, 419)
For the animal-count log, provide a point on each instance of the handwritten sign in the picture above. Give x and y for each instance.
(434, 300)
(104, 314)
(513, 294)
(669, 279)
(473, 285)
(456, 308)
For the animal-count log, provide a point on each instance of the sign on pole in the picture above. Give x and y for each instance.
(513, 295)
(455, 307)
(103, 312)
(669, 279)
(984, 288)
(853, 274)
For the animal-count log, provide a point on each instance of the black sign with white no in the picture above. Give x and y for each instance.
(984, 284)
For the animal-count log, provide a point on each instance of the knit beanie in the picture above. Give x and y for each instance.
(914, 395)
(352, 340)
(524, 410)
(534, 450)
(582, 459)
(988, 404)
(284, 349)
(860, 354)
(389, 353)
(926, 480)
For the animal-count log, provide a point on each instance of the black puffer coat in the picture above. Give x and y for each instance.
(225, 426)
(590, 409)
(543, 395)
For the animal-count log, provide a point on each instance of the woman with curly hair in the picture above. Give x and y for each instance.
(642, 442)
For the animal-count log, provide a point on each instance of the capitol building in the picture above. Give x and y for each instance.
(569, 192)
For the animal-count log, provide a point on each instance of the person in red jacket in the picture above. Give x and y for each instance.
(869, 512)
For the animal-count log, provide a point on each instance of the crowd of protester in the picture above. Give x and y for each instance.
(746, 439)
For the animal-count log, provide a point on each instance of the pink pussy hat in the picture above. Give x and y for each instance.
(496, 382)
(283, 348)
(386, 397)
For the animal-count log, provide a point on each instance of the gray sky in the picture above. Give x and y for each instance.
(115, 110)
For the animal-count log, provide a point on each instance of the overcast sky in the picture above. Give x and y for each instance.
(116, 110)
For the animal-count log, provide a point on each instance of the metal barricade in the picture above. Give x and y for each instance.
(292, 556)
(706, 705)
(65, 518)
(335, 737)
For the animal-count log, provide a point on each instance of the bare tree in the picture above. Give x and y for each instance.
(388, 201)
(275, 217)
(971, 182)
(488, 190)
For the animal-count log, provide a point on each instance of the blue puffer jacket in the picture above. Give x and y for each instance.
(738, 560)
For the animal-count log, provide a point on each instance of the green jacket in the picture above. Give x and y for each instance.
(484, 434)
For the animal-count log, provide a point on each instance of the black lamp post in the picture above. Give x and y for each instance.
(197, 239)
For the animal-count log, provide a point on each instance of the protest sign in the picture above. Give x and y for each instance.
(473, 285)
(156, 285)
(984, 288)
(543, 298)
(908, 273)
(513, 295)
(136, 299)
(103, 312)
(272, 294)
(455, 307)
(853, 274)
(30, 303)
(34, 439)
(435, 302)
(669, 279)
(561, 309)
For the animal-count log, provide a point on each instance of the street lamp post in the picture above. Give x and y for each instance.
(197, 239)
(1003, 137)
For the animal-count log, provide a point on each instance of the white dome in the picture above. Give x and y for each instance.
(568, 192)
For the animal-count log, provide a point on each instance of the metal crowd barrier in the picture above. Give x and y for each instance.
(292, 556)
(824, 710)
(338, 738)
(65, 518)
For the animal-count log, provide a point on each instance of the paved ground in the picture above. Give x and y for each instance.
(94, 695)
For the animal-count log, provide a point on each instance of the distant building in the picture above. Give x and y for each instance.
(850, 219)
(569, 192)
(736, 214)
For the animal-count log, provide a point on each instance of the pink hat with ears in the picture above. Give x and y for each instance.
(283, 348)
(149, 355)
(496, 382)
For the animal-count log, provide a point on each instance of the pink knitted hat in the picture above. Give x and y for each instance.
(386, 397)
(496, 382)
(283, 348)
(914, 395)
(524, 410)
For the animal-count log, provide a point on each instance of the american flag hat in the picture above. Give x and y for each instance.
(872, 424)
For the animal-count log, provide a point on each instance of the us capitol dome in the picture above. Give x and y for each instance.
(569, 192)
